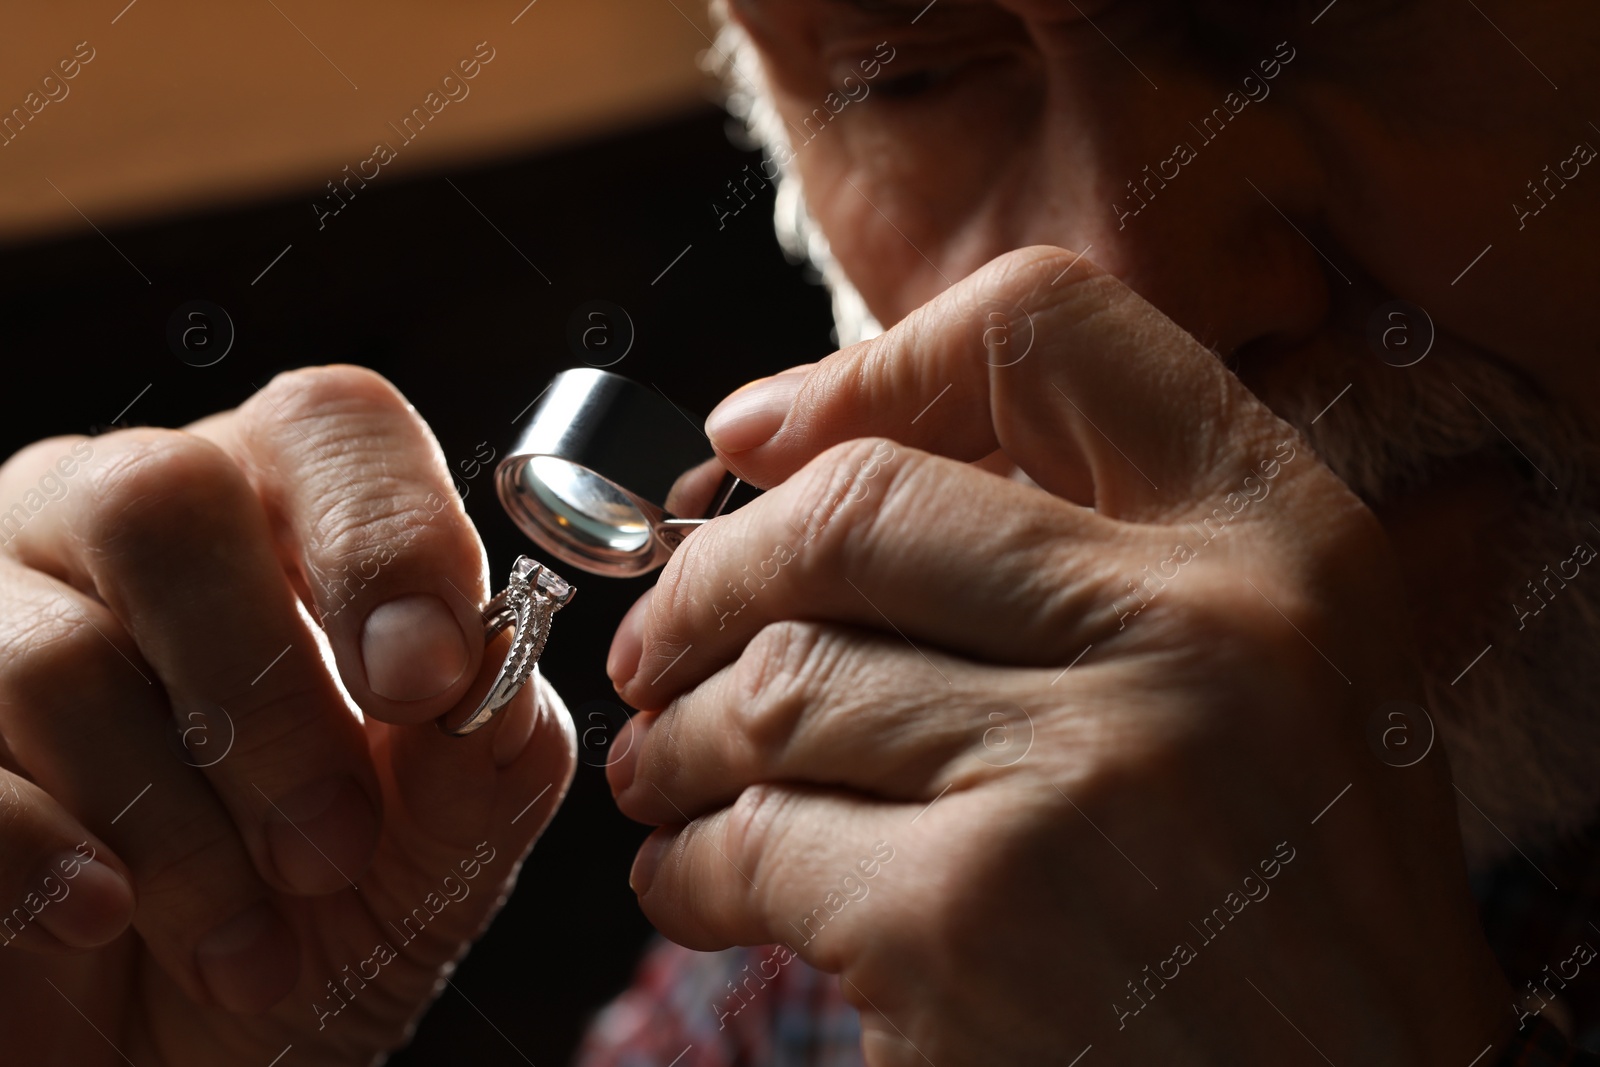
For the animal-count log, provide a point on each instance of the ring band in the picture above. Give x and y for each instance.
(528, 602)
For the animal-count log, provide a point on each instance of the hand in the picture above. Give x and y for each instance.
(1038, 767)
(205, 856)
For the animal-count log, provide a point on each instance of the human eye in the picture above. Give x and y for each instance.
(907, 67)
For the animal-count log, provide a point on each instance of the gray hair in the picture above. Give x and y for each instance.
(735, 61)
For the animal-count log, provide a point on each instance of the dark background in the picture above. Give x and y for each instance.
(411, 280)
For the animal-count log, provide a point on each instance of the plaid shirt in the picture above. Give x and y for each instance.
(757, 1007)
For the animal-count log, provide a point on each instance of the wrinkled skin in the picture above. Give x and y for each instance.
(946, 684)
(942, 662)
(851, 659)
(230, 883)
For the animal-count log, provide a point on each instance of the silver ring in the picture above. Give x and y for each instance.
(528, 602)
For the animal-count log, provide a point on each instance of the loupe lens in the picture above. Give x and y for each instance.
(584, 506)
(593, 467)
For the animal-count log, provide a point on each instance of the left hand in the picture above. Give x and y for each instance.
(911, 719)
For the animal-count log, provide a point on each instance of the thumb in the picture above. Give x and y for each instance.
(1091, 391)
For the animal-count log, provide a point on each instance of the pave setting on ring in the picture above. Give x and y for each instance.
(528, 603)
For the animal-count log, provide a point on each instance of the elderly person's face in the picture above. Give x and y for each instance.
(1272, 175)
(1175, 137)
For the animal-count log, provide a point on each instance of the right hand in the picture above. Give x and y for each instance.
(242, 891)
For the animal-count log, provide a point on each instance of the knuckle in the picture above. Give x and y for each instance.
(320, 393)
(62, 453)
(675, 595)
(753, 833)
(1238, 614)
(1080, 597)
(772, 685)
(354, 536)
(1058, 291)
(52, 654)
(1268, 634)
(1287, 633)
(846, 493)
(1042, 271)
(156, 490)
(341, 428)
(45, 647)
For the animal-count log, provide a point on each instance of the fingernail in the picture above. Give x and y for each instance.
(648, 861)
(250, 962)
(413, 648)
(624, 766)
(627, 647)
(321, 836)
(86, 904)
(753, 414)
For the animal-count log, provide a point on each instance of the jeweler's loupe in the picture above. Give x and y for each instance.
(594, 463)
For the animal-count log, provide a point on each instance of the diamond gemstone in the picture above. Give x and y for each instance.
(530, 572)
(554, 586)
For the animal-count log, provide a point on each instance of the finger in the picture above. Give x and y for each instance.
(694, 491)
(784, 864)
(359, 489)
(81, 713)
(862, 536)
(830, 706)
(473, 805)
(627, 645)
(501, 782)
(1095, 394)
(463, 813)
(168, 533)
(61, 887)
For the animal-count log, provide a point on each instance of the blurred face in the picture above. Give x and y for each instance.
(1396, 134)
(1273, 174)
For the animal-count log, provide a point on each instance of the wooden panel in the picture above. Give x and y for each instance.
(186, 104)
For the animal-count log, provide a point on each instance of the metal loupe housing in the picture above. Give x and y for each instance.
(592, 468)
